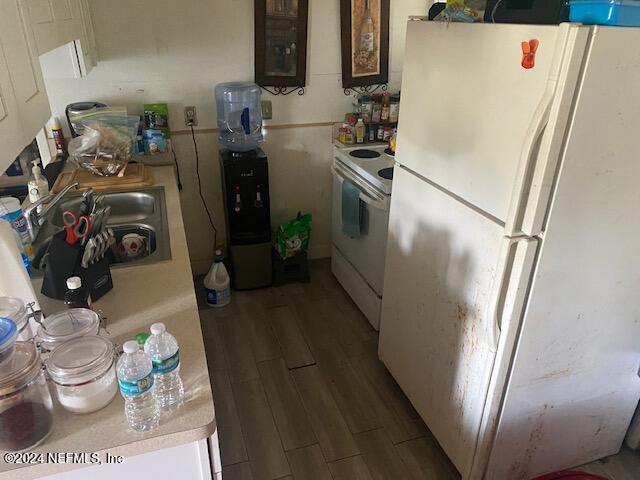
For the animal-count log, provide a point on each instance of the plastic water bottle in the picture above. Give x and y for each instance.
(135, 377)
(162, 348)
(217, 284)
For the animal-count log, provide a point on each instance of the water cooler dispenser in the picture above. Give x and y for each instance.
(245, 181)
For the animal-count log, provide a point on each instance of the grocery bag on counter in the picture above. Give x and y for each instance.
(292, 237)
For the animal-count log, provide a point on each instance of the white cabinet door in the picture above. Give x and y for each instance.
(24, 107)
(54, 22)
(24, 69)
(10, 127)
(86, 45)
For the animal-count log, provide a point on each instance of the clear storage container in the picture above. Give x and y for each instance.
(67, 325)
(239, 115)
(16, 310)
(83, 372)
(624, 13)
(26, 409)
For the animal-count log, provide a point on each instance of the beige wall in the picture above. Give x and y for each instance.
(161, 50)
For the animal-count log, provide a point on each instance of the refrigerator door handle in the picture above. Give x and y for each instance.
(505, 293)
(536, 128)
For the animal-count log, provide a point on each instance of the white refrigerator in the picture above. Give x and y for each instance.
(511, 315)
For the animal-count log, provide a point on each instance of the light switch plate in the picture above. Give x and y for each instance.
(267, 110)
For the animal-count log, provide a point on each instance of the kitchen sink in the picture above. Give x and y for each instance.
(143, 212)
(126, 207)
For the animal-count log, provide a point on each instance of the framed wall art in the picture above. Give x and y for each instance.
(281, 44)
(365, 42)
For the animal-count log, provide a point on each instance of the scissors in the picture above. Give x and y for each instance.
(77, 228)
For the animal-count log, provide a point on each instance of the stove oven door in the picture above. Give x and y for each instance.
(366, 253)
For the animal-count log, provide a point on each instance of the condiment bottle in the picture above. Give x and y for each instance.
(58, 136)
(76, 296)
(380, 135)
(360, 129)
(371, 133)
(384, 112)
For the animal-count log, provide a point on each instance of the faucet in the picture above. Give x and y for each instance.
(35, 219)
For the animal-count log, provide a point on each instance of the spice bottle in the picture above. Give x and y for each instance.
(360, 130)
(380, 134)
(366, 108)
(76, 296)
(376, 108)
(384, 112)
(371, 133)
(394, 108)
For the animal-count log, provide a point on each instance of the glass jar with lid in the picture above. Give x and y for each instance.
(67, 325)
(15, 309)
(83, 372)
(26, 409)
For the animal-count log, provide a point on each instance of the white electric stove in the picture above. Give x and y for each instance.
(358, 263)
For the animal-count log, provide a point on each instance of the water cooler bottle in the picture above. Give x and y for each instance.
(245, 182)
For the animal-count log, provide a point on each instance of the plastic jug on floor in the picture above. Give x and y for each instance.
(217, 284)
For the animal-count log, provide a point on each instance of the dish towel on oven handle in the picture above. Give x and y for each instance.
(351, 210)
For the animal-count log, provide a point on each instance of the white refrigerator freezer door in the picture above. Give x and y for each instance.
(469, 108)
(574, 383)
(438, 320)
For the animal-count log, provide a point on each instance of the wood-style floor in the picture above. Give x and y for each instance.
(300, 393)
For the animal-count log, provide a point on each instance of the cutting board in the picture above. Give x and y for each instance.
(136, 176)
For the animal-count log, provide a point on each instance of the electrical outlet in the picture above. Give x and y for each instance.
(267, 110)
(190, 117)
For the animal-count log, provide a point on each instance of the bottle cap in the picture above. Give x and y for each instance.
(141, 338)
(158, 328)
(130, 347)
(74, 283)
(219, 253)
(55, 123)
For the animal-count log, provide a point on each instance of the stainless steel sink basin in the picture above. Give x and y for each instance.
(143, 212)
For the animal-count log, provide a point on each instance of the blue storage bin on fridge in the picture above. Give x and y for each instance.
(623, 13)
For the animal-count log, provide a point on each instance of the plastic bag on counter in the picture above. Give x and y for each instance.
(465, 11)
(104, 150)
(292, 237)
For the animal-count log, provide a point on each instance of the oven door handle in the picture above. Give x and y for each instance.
(376, 201)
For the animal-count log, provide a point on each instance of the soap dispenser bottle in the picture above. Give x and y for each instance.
(38, 185)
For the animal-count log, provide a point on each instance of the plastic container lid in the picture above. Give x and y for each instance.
(74, 283)
(80, 360)
(141, 338)
(23, 367)
(130, 347)
(67, 325)
(16, 310)
(8, 336)
(158, 329)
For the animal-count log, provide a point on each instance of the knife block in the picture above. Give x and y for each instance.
(64, 261)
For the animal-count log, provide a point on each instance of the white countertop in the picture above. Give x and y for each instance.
(142, 295)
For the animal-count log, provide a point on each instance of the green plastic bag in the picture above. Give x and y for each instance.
(292, 237)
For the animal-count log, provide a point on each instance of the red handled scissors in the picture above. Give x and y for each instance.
(77, 227)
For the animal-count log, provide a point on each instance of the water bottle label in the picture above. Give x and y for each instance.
(217, 297)
(133, 389)
(168, 365)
